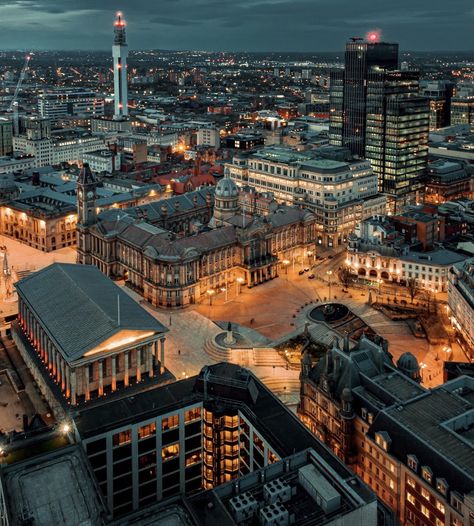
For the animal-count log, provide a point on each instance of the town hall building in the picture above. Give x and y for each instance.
(214, 246)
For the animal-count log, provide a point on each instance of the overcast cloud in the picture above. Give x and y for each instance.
(236, 25)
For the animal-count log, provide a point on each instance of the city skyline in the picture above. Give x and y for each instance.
(246, 25)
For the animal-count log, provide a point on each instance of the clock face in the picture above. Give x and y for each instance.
(90, 194)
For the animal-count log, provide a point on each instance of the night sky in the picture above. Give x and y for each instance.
(236, 25)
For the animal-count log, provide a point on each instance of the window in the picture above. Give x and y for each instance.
(170, 422)
(440, 506)
(169, 452)
(441, 486)
(410, 498)
(122, 438)
(427, 474)
(412, 462)
(425, 511)
(425, 493)
(192, 414)
(146, 431)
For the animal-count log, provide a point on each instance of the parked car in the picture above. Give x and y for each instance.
(301, 272)
(311, 276)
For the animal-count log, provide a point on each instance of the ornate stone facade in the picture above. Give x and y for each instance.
(173, 263)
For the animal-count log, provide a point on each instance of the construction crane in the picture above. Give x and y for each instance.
(14, 102)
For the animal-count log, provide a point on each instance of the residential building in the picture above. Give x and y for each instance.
(209, 137)
(69, 147)
(198, 433)
(439, 93)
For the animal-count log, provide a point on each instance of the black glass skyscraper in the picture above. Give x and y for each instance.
(376, 113)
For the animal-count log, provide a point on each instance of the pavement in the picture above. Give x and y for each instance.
(272, 309)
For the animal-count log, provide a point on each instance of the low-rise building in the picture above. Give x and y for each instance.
(447, 180)
(384, 250)
(461, 301)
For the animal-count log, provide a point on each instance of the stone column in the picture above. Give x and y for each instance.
(101, 377)
(150, 361)
(162, 355)
(85, 368)
(125, 369)
(73, 387)
(138, 354)
(67, 377)
(63, 374)
(114, 373)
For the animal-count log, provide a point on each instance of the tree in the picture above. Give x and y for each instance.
(412, 288)
(345, 276)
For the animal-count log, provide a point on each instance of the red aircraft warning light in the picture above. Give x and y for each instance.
(373, 36)
(119, 21)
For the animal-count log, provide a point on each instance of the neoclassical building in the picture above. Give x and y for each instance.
(215, 247)
(87, 339)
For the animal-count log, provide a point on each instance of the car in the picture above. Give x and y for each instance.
(301, 272)
(306, 269)
(311, 276)
(330, 257)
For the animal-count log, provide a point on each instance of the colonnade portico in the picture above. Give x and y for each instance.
(115, 357)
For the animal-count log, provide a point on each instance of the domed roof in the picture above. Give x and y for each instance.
(408, 363)
(346, 394)
(226, 188)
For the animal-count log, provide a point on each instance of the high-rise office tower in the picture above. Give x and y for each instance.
(6, 136)
(376, 112)
(120, 53)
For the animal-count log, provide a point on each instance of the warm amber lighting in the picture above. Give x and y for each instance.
(121, 339)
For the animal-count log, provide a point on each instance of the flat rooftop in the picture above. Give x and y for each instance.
(280, 427)
(53, 489)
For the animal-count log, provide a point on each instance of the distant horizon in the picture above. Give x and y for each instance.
(177, 50)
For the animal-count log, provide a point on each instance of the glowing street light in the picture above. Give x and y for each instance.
(65, 428)
(210, 293)
(286, 262)
(239, 281)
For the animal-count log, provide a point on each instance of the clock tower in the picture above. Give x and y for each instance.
(86, 213)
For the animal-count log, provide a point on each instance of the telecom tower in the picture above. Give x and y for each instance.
(120, 53)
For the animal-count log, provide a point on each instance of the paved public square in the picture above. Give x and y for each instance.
(274, 309)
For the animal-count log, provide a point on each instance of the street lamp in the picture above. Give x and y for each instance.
(286, 262)
(329, 273)
(210, 293)
(240, 281)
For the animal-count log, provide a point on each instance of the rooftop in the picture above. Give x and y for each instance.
(57, 488)
(85, 310)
